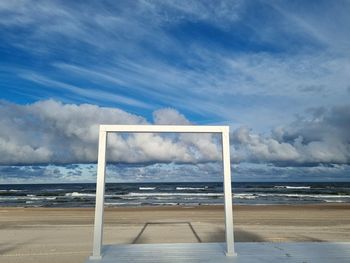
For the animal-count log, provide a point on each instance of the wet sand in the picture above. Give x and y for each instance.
(65, 234)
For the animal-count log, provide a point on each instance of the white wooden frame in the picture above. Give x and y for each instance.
(101, 171)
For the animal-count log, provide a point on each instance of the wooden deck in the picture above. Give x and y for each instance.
(259, 252)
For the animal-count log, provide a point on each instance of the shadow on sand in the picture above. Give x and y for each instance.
(218, 236)
(138, 237)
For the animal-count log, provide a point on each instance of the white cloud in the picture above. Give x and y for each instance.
(90, 94)
(169, 116)
(256, 148)
(323, 138)
(52, 132)
(221, 13)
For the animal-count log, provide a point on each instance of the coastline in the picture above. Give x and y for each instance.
(65, 234)
(209, 213)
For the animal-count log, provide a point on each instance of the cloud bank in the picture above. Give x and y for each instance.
(321, 138)
(53, 132)
(171, 172)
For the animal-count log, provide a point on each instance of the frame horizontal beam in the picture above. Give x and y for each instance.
(164, 128)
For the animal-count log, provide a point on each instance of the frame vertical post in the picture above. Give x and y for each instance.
(100, 192)
(230, 250)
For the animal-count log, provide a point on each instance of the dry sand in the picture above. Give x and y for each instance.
(43, 235)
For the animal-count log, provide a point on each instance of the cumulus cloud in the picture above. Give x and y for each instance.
(322, 137)
(256, 148)
(53, 132)
(169, 116)
(204, 146)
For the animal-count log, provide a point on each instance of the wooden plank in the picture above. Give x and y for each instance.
(259, 252)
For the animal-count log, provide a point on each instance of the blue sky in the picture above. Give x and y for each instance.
(277, 72)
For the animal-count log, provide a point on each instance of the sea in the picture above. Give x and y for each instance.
(172, 194)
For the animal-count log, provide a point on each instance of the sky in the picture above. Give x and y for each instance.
(276, 72)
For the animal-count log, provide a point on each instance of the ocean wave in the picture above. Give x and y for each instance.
(28, 197)
(302, 195)
(125, 197)
(191, 188)
(33, 204)
(334, 201)
(77, 194)
(298, 187)
(167, 203)
(122, 203)
(42, 198)
(171, 194)
(292, 187)
(147, 188)
(10, 191)
(245, 196)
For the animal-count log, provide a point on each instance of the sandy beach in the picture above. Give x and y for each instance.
(65, 234)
